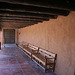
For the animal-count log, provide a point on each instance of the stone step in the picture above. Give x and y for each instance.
(10, 45)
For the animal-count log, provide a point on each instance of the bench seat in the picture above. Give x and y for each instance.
(41, 58)
(27, 50)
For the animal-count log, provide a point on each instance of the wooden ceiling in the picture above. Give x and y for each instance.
(22, 13)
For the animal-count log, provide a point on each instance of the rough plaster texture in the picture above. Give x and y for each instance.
(58, 36)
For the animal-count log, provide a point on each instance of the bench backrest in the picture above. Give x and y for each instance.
(25, 44)
(33, 47)
(47, 54)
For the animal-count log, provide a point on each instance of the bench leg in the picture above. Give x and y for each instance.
(53, 67)
(45, 67)
(31, 56)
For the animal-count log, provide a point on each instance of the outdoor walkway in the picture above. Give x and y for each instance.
(14, 62)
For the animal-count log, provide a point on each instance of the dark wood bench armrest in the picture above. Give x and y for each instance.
(49, 57)
(34, 51)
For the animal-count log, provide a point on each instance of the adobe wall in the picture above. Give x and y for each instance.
(58, 36)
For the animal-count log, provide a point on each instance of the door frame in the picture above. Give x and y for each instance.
(4, 35)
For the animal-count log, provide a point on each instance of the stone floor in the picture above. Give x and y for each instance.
(14, 62)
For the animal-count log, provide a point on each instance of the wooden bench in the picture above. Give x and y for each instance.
(42, 57)
(28, 48)
(45, 59)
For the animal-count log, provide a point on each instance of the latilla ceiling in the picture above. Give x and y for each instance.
(22, 13)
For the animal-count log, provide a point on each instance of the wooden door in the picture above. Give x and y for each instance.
(9, 36)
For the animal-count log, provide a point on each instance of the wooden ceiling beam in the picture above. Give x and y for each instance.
(18, 22)
(13, 21)
(18, 18)
(2, 12)
(32, 9)
(24, 16)
(57, 4)
(17, 25)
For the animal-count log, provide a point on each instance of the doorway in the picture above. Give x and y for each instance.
(9, 36)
